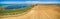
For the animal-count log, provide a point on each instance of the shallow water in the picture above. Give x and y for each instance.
(14, 6)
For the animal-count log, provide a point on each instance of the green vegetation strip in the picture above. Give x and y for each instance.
(17, 11)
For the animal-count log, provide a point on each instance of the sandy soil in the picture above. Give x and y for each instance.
(40, 12)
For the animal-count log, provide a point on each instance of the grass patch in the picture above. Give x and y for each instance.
(17, 11)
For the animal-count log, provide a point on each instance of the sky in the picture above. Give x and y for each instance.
(29, 1)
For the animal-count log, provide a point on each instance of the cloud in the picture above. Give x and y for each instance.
(22, 2)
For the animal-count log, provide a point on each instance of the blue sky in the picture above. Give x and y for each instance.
(29, 1)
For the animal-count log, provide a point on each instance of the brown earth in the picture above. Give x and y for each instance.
(40, 12)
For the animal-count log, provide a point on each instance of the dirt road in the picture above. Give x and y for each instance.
(40, 12)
